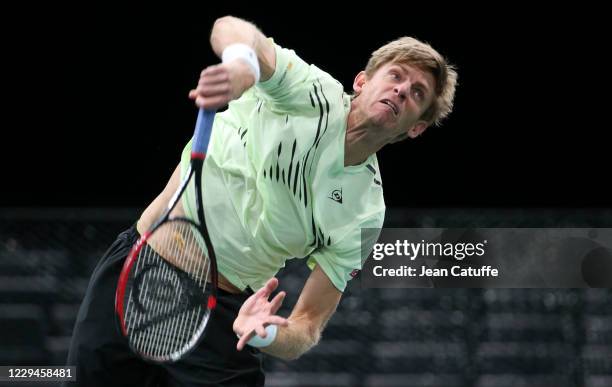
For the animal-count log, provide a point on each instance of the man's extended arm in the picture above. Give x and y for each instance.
(303, 329)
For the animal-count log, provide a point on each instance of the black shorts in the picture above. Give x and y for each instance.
(103, 358)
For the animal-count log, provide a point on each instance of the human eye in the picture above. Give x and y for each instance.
(394, 75)
(419, 94)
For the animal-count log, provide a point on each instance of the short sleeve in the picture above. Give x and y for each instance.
(341, 260)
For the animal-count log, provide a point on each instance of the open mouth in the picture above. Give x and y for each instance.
(391, 105)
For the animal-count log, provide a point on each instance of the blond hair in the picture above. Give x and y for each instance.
(416, 53)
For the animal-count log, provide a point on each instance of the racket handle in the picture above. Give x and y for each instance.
(201, 137)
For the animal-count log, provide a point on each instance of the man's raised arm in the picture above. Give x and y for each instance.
(229, 30)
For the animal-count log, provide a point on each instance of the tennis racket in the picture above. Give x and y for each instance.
(163, 302)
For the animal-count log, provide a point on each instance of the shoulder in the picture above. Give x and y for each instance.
(294, 73)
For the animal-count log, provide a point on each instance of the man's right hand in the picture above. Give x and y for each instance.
(219, 84)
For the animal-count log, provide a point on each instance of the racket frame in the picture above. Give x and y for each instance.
(200, 142)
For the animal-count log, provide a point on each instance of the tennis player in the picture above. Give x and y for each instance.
(291, 172)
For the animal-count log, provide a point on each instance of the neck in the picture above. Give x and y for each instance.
(362, 138)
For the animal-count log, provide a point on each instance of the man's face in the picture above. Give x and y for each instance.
(394, 98)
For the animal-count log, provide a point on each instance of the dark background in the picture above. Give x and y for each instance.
(94, 114)
(96, 99)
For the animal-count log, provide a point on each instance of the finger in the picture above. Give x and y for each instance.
(243, 340)
(261, 331)
(212, 90)
(212, 102)
(272, 284)
(217, 74)
(276, 302)
(277, 320)
(213, 80)
(214, 69)
(268, 288)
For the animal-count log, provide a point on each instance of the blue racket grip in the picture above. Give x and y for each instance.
(203, 129)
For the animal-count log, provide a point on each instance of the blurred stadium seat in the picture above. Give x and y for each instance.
(378, 337)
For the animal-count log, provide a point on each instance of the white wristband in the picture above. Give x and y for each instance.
(259, 342)
(244, 52)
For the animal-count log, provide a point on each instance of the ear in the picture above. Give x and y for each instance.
(359, 81)
(417, 129)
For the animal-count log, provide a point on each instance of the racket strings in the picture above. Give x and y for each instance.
(167, 303)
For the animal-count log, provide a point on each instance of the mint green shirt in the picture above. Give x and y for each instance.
(274, 182)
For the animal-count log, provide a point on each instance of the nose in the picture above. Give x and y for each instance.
(402, 90)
